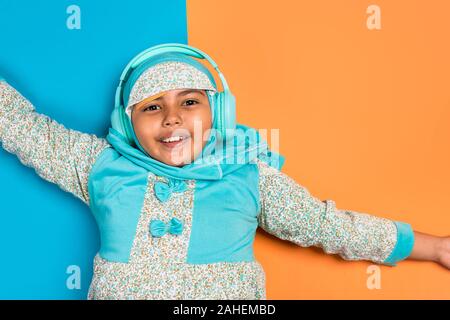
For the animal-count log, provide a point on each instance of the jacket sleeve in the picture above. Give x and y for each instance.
(290, 212)
(58, 155)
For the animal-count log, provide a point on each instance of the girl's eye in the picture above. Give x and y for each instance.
(151, 107)
(190, 100)
(154, 107)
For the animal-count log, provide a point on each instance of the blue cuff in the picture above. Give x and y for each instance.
(403, 246)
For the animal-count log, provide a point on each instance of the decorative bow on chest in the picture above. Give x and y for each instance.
(163, 191)
(158, 228)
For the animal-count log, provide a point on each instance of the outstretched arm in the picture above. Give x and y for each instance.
(58, 155)
(291, 213)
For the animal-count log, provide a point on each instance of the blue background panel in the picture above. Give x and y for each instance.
(69, 74)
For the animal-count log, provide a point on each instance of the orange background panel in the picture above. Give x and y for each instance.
(363, 117)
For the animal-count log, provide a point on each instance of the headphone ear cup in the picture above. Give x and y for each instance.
(119, 120)
(219, 114)
(226, 113)
(116, 122)
(229, 104)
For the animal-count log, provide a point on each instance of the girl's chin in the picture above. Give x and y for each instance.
(174, 160)
(177, 157)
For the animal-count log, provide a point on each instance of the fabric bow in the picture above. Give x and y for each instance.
(158, 228)
(163, 191)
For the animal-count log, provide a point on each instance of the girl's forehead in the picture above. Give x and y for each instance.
(175, 92)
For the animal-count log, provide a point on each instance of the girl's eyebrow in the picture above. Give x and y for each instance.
(185, 92)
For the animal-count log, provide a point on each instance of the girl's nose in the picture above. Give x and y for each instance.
(172, 118)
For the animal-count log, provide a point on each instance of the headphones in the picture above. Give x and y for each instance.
(224, 101)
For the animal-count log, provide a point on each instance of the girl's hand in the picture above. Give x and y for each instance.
(443, 252)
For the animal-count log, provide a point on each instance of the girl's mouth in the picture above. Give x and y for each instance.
(173, 142)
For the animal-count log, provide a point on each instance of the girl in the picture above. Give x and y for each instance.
(178, 198)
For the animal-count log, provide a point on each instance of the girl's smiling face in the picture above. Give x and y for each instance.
(179, 114)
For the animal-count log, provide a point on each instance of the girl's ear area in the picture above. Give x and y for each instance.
(136, 107)
(132, 109)
(207, 94)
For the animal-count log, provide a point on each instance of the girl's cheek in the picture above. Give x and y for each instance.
(149, 129)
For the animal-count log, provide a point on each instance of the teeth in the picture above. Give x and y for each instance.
(172, 139)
